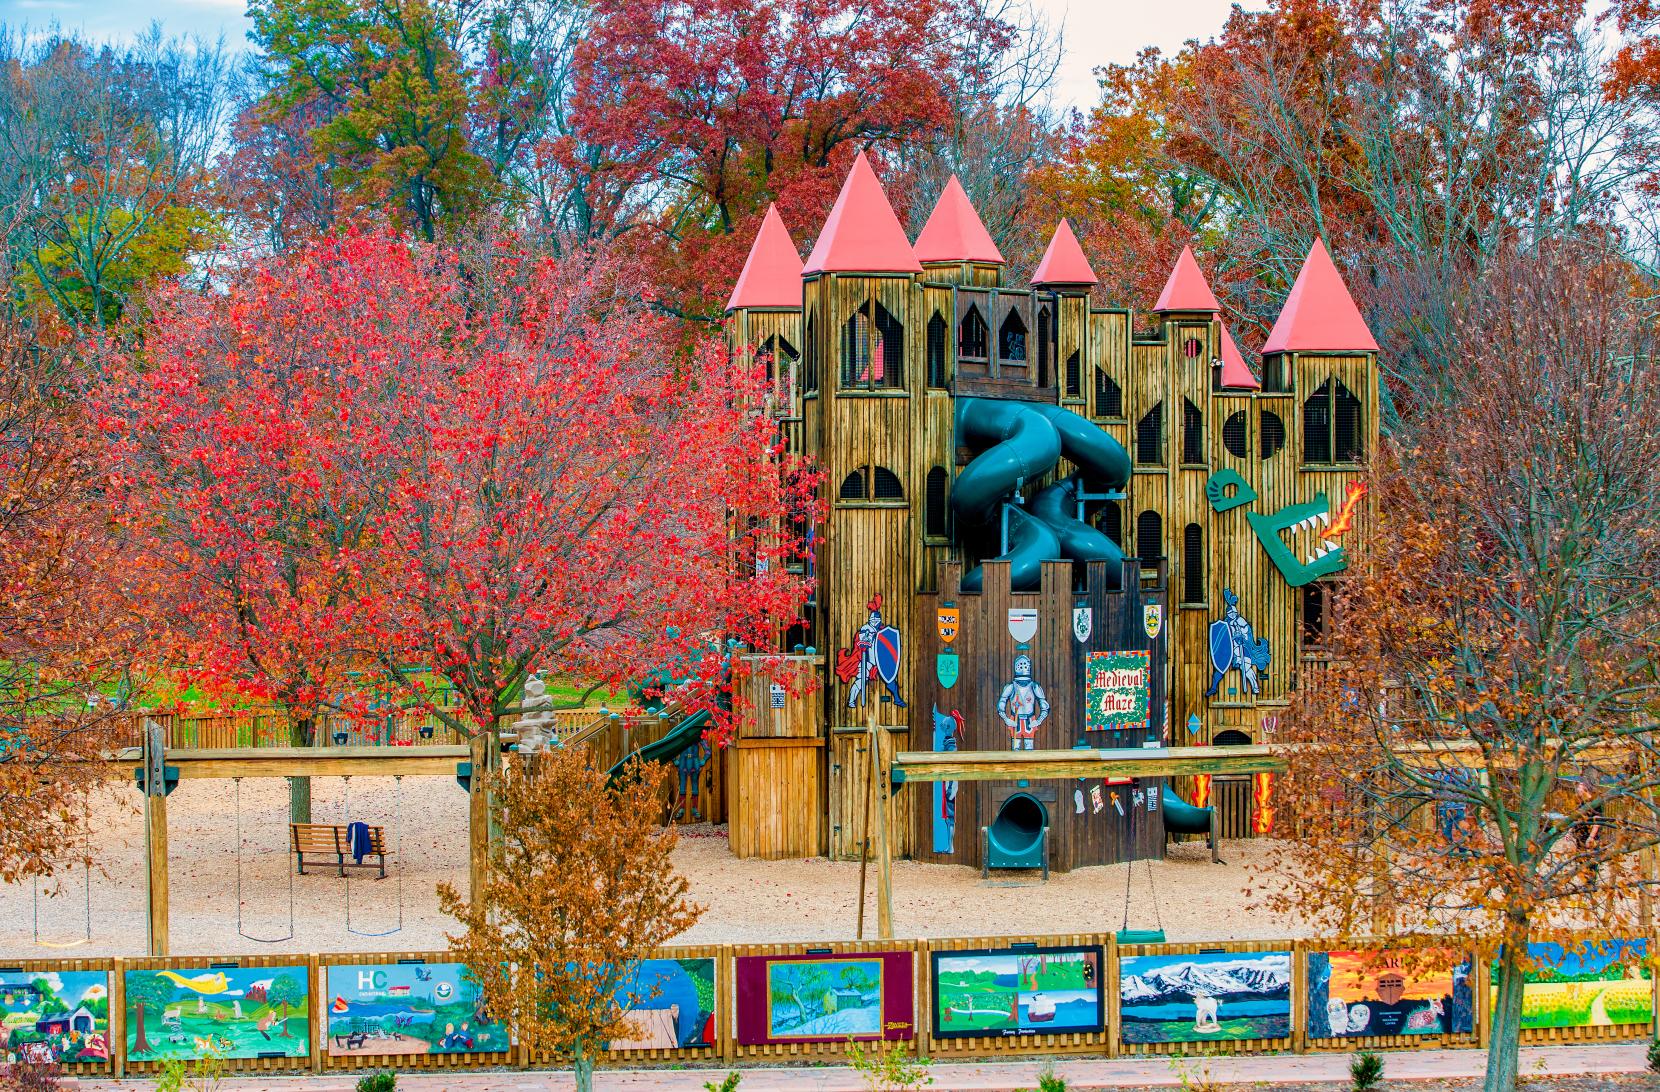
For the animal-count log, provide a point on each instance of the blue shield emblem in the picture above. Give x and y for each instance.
(948, 667)
(887, 653)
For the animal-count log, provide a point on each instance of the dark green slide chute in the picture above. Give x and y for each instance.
(677, 739)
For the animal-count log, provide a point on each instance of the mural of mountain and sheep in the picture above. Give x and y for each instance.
(1205, 997)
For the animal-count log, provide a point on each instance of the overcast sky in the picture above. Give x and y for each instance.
(1097, 31)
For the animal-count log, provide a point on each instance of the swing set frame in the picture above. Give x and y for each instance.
(158, 769)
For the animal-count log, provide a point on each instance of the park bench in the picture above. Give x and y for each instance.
(329, 840)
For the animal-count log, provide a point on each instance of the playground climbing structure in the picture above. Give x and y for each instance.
(1030, 494)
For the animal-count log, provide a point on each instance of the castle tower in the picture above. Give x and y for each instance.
(954, 246)
(862, 394)
(1065, 275)
(763, 315)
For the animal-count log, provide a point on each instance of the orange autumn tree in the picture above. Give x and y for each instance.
(581, 885)
(1481, 763)
(66, 637)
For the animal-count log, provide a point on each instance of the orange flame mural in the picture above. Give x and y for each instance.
(1201, 790)
(1346, 515)
(1262, 803)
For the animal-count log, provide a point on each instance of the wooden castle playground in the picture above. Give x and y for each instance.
(1097, 546)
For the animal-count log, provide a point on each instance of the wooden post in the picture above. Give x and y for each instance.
(884, 851)
(478, 819)
(864, 830)
(155, 833)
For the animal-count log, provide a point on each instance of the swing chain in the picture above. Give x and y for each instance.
(241, 931)
(397, 805)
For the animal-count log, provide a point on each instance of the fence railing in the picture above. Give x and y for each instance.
(1076, 994)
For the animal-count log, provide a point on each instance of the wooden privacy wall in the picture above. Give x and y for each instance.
(1091, 1042)
(835, 1048)
(207, 970)
(1209, 1045)
(916, 982)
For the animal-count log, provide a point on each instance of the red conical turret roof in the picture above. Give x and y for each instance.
(862, 235)
(1064, 261)
(1319, 316)
(1187, 289)
(954, 232)
(772, 272)
(1235, 372)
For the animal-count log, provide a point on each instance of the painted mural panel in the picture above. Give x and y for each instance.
(825, 997)
(1599, 985)
(55, 1016)
(408, 1008)
(671, 1004)
(1205, 997)
(231, 1012)
(1385, 992)
(1024, 991)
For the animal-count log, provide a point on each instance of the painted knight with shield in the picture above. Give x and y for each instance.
(875, 654)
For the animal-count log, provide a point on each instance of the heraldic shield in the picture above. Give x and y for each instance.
(1023, 623)
(948, 666)
(950, 620)
(1152, 620)
(1083, 623)
(887, 653)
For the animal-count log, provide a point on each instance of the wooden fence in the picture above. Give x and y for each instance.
(1077, 994)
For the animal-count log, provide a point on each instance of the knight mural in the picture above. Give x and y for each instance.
(874, 655)
(1023, 705)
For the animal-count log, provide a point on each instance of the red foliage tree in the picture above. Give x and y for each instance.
(722, 107)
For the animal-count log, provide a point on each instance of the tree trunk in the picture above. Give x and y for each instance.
(141, 1045)
(582, 1067)
(299, 788)
(1504, 1040)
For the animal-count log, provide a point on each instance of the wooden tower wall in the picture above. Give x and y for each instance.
(987, 650)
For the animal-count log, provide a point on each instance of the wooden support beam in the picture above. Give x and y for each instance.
(1085, 762)
(436, 761)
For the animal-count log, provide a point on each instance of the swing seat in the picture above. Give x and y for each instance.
(1140, 936)
(330, 841)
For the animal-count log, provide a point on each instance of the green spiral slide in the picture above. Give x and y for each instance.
(1019, 443)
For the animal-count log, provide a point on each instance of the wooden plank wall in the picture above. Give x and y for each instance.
(1108, 1041)
(785, 1053)
(984, 1045)
(986, 651)
(185, 964)
(849, 777)
(777, 791)
(1239, 1046)
(1351, 1043)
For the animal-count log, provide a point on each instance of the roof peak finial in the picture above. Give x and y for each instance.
(954, 231)
(771, 275)
(861, 234)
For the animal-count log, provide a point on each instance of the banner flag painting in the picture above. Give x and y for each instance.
(1116, 691)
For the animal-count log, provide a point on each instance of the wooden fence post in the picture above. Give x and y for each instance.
(1112, 1021)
